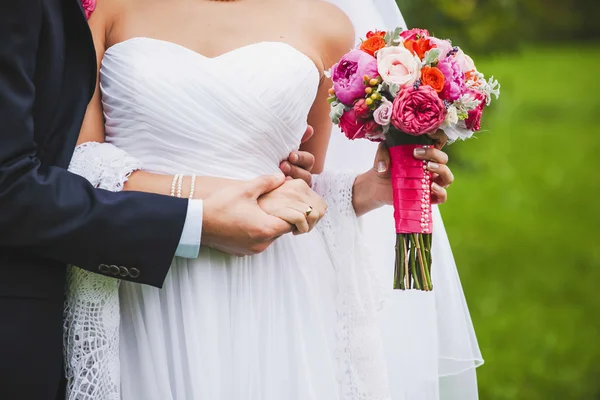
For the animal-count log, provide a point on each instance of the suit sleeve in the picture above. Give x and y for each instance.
(50, 212)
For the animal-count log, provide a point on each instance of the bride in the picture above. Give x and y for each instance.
(223, 89)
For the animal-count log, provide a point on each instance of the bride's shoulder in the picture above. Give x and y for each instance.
(331, 28)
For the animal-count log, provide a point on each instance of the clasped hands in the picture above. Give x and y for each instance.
(246, 217)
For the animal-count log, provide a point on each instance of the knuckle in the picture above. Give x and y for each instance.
(258, 248)
(258, 234)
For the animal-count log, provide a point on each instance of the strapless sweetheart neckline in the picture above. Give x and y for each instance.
(222, 55)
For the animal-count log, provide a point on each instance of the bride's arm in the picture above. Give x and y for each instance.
(92, 133)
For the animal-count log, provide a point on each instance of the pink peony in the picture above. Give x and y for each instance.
(88, 6)
(398, 65)
(473, 122)
(374, 131)
(418, 111)
(414, 34)
(352, 127)
(383, 113)
(347, 75)
(454, 85)
(361, 109)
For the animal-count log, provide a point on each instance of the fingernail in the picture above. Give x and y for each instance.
(432, 165)
(381, 167)
(435, 187)
(294, 157)
(419, 152)
(285, 167)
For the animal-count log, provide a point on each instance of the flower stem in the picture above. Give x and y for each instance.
(406, 273)
(426, 256)
(413, 268)
(421, 261)
(399, 265)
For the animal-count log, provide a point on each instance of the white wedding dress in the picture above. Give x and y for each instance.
(300, 321)
(296, 322)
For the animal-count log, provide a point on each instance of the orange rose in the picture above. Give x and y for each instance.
(419, 47)
(433, 77)
(372, 44)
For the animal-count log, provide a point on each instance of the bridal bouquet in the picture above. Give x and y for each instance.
(398, 87)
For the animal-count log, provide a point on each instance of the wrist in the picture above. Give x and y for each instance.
(364, 193)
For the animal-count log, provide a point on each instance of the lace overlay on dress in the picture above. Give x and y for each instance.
(91, 317)
(359, 349)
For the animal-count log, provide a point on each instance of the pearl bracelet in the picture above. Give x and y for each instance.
(174, 183)
(192, 187)
(179, 183)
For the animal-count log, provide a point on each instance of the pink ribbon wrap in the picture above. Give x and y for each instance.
(411, 184)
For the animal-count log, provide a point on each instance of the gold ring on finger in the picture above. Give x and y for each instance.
(310, 209)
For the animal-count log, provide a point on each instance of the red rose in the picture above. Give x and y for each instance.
(473, 122)
(352, 126)
(374, 131)
(370, 34)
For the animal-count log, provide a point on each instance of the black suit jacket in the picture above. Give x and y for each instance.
(49, 217)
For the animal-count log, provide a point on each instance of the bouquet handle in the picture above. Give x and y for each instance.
(411, 185)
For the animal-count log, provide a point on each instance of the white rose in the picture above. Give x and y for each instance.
(398, 65)
(451, 117)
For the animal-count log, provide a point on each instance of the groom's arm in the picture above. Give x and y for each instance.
(52, 213)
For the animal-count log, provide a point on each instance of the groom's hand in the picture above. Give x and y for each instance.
(300, 163)
(234, 223)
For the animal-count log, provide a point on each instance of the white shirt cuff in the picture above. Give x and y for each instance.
(189, 244)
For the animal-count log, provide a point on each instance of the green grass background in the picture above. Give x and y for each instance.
(524, 224)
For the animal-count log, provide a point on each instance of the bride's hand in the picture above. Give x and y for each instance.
(296, 203)
(373, 189)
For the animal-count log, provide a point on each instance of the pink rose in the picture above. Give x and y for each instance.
(352, 127)
(444, 46)
(347, 75)
(383, 113)
(418, 111)
(398, 65)
(414, 34)
(473, 122)
(88, 6)
(361, 109)
(374, 131)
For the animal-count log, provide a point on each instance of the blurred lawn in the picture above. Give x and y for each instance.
(524, 227)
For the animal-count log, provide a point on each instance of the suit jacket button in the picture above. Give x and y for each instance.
(124, 272)
(114, 270)
(134, 272)
(105, 269)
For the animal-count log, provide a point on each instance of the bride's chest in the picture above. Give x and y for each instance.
(259, 94)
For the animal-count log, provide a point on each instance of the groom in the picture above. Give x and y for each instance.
(50, 218)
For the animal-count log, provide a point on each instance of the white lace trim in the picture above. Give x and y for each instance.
(363, 372)
(104, 165)
(91, 318)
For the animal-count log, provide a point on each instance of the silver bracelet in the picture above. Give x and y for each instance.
(179, 183)
(192, 187)
(173, 184)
